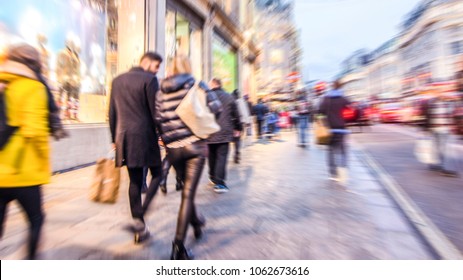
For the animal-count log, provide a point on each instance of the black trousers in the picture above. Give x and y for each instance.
(136, 183)
(189, 162)
(237, 144)
(30, 199)
(218, 155)
(259, 128)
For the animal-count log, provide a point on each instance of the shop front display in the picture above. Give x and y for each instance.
(184, 37)
(70, 35)
(225, 64)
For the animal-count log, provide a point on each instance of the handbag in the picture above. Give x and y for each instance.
(425, 151)
(321, 131)
(194, 111)
(106, 181)
(6, 131)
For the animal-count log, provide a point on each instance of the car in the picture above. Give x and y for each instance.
(391, 113)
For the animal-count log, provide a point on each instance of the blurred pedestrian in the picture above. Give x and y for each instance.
(272, 121)
(293, 118)
(332, 106)
(25, 158)
(303, 115)
(439, 115)
(185, 151)
(219, 142)
(245, 120)
(260, 110)
(459, 104)
(133, 134)
(249, 128)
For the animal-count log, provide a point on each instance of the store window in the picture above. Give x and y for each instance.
(184, 38)
(82, 44)
(225, 64)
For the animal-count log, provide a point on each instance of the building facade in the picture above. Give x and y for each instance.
(280, 52)
(431, 42)
(422, 58)
(86, 43)
(383, 72)
(354, 76)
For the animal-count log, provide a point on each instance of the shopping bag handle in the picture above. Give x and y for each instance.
(108, 155)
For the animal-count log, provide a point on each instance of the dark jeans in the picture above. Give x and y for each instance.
(189, 162)
(136, 175)
(237, 144)
(30, 199)
(259, 128)
(218, 155)
(337, 153)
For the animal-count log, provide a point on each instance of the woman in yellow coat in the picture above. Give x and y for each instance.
(25, 159)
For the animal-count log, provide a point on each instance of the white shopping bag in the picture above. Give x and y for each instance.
(425, 151)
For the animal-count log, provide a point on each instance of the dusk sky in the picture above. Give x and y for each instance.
(331, 30)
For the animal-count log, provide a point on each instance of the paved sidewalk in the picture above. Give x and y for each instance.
(281, 206)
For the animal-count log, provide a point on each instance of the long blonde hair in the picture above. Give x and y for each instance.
(180, 64)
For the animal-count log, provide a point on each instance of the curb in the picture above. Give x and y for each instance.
(442, 246)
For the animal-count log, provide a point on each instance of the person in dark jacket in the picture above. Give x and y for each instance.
(260, 110)
(185, 151)
(303, 113)
(133, 132)
(229, 122)
(332, 106)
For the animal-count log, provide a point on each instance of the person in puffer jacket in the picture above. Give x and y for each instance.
(185, 151)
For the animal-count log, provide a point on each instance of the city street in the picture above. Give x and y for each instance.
(281, 206)
(439, 197)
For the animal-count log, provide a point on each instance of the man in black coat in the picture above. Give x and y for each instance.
(229, 122)
(133, 132)
(260, 110)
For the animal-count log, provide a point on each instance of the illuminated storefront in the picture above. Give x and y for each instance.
(184, 36)
(84, 44)
(225, 63)
(72, 48)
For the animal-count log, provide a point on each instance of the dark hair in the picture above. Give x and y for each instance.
(152, 56)
(236, 94)
(217, 81)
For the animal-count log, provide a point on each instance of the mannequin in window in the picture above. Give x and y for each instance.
(68, 72)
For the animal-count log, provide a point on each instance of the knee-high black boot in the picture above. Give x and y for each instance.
(179, 252)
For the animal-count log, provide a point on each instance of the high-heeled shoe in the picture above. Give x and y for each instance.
(179, 252)
(163, 187)
(142, 235)
(198, 227)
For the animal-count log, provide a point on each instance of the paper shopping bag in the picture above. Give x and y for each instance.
(106, 181)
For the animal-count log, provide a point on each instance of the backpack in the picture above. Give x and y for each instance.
(5, 130)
